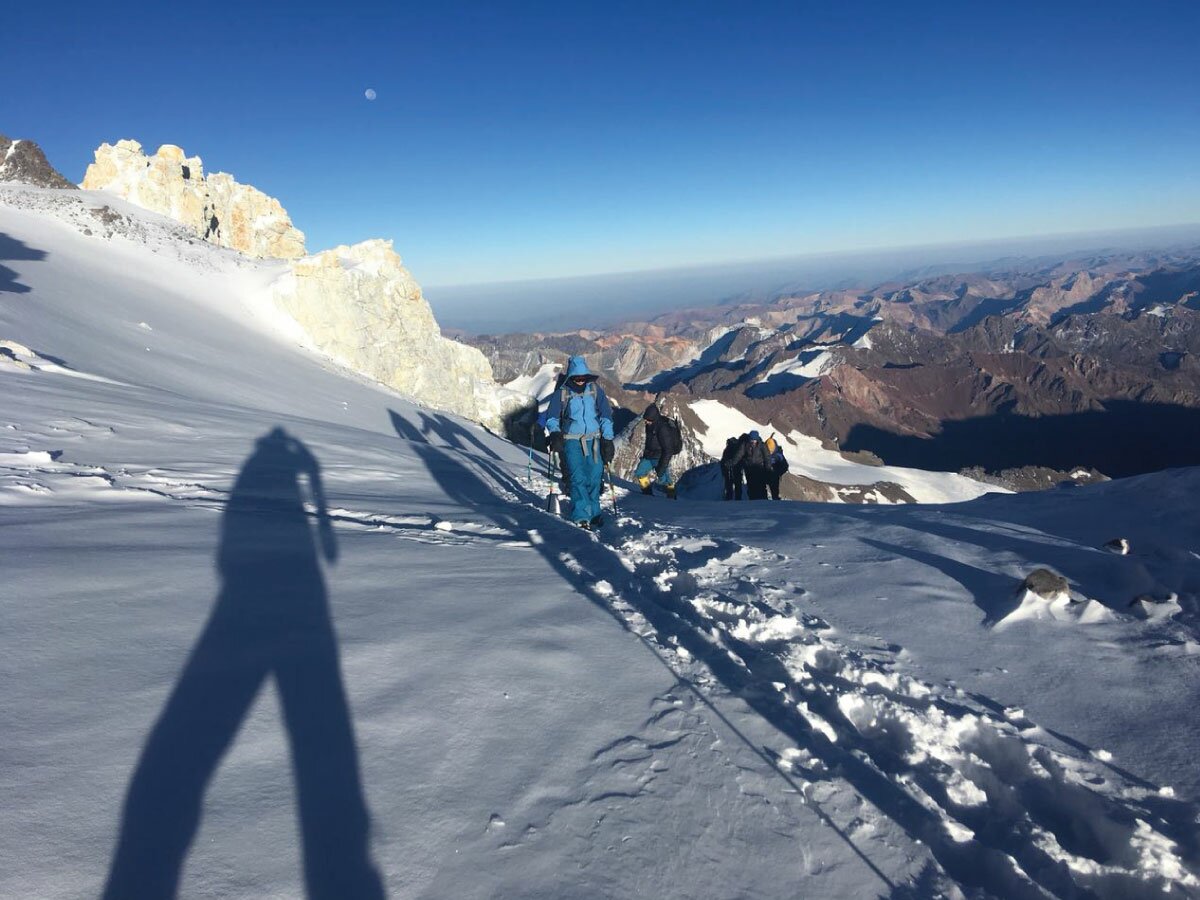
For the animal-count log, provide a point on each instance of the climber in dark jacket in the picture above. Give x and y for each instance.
(752, 456)
(730, 472)
(655, 457)
(779, 467)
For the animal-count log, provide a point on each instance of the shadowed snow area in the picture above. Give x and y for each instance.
(272, 630)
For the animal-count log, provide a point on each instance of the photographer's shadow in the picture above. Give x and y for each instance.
(271, 618)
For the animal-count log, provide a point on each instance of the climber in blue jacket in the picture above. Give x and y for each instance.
(579, 419)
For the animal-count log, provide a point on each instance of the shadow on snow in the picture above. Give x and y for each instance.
(11, 248)
(271, 620)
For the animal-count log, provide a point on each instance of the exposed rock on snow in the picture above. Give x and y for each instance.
(1046, 584)
(216, 208)
(1044, 595)
(362, 307)
(1119, 546)
(1034, 478)
(24, 161)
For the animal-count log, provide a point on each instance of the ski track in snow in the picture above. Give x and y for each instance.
(1000, 805)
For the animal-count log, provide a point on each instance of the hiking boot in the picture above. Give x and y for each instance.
(596, 522)
(584, 524)
(647, 491)
(670, 488)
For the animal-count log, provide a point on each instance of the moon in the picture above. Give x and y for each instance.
(370, 94)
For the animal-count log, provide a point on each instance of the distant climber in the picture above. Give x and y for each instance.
(754, 460)
(579, 419)
(729, 471)
(779, 466)
(662, 442)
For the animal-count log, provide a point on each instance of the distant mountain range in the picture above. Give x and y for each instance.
(1071, 362)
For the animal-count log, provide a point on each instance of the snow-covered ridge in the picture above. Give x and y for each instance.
(358, 305)
(805, 365)
(537, 385)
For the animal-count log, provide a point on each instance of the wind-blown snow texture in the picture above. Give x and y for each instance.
(712, 700)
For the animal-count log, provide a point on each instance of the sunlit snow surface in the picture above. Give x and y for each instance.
(539, 385)
(711, 700)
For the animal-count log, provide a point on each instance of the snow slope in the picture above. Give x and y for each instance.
(537, 385)
(713, 700)
(789, 373)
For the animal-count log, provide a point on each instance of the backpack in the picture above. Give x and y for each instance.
(564, 402)
(674, 437)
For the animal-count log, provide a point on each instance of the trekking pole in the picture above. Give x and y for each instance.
(551, 502)
(612, 491)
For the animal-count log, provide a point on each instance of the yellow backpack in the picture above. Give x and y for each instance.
(771, 445)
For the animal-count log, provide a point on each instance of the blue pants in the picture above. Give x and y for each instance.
(646, 466)
(586, 470)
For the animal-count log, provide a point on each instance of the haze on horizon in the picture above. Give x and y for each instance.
(604, 300)
(536, 141)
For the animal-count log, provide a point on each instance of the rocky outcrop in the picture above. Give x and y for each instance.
(1034, 478)
(361, 306)
(1046, 584)
(217, 208)
(24, 162)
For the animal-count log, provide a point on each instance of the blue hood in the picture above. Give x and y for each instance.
(577, 365)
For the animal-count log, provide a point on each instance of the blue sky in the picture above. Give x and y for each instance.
(527, 140)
